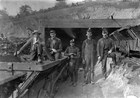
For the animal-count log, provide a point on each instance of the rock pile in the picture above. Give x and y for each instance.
(122, 82)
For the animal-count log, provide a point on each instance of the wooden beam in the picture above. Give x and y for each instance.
(29, 66)
(7, 76)
(20, 67)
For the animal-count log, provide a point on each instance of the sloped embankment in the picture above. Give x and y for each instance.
(124, 81)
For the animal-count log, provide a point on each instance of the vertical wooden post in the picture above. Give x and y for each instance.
(12, 69)
(42, 29)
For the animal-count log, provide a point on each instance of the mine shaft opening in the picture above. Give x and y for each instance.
(79, 34)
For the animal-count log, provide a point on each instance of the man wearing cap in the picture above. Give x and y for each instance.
(104, 49)
(36, 46)
(54, 44)
(73, 52)
(88, 56)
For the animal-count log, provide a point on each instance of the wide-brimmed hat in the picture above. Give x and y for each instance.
(36, 32)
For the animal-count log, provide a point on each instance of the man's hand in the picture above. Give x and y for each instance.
(99, 60)
(83, 61)
(72, 54)
(51, 59)
(16, 53)
(54, 50)
(99, 57)
(109, 51)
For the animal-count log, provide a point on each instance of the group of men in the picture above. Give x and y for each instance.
(103, 48)
(54, 46)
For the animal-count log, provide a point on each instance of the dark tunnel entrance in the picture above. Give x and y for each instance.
(79, 34)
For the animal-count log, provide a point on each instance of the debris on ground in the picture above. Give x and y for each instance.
(122, 82)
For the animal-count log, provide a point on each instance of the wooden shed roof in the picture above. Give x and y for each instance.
(92, 23)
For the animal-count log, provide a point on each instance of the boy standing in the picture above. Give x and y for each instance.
(74, 54)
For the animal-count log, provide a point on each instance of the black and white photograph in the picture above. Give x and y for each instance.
(69, 48)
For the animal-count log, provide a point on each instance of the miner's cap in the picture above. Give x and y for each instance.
(52, 31)
(89, 30)
(36, 32)
(72, 41)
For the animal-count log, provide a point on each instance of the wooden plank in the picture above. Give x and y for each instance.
(27, 83)
(86, 23)
(34, 75)
(29, 66)
(46, 65)
(20, 68)
(7, 76)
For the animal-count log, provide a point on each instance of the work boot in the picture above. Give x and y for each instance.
(85, 83)
(74, 84)
(92, 82)
(39, 59)
(71, 84)
(105, 76)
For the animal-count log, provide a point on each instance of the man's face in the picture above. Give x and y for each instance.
(71, 44)
(89, 34)
(36, 35)
(105, 35)
(53, 35)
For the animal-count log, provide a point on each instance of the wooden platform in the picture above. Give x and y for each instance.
(7, 76)
(29, 66)
(20, 68)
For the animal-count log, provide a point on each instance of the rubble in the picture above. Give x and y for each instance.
(122, 82)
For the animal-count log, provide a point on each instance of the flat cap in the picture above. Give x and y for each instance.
(104, 31)
(52, 31)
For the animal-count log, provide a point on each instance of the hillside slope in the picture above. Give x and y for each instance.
(94, 10)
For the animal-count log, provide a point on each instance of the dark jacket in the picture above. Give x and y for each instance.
(74, 50)
(103, 46)
(57, 45)
(85, 49)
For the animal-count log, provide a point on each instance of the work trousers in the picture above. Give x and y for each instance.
(36, 51)
(57, 55)
(72, 70)
(104, 61)
(89, 71)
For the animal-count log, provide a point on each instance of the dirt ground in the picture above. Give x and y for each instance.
(80, 91)
(120, 83)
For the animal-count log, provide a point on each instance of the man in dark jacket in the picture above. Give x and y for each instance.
(74, 54)
(104, 49)
(88, 56)
(54, 45)
(36, 46)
